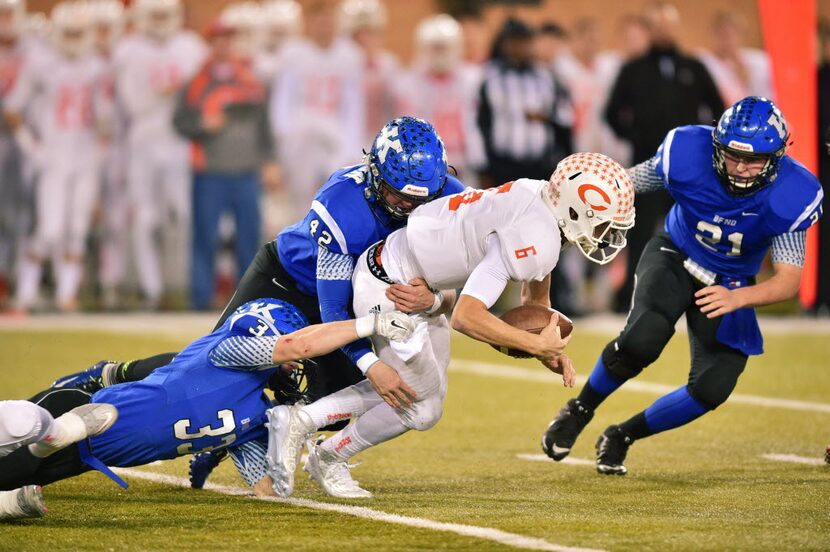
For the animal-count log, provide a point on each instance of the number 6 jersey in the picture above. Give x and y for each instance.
(727, 234)
(447, 237)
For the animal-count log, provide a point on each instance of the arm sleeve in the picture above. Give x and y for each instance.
(789, 248)
(23, 90)
(644, 176)
(249, 459)
(484, 121)
(618, 109)
(489, 278)
(247, 353)
(266, 139)
(334, 291)
(187, 120)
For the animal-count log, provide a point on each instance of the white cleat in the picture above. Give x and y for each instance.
(96, 417)
(76, 425)
(30, 500)
(287, 432)
(26, 502)
(332, 474)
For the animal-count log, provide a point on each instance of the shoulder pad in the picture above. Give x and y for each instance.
(685, 153)
(453, 186)
(797, 197)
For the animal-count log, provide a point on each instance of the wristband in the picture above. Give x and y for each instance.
(365, 325)
(436, 304)
(366, 361)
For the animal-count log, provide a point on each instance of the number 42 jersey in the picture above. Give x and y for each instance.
(727, 234)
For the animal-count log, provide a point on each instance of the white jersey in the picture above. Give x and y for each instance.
(380, 75)
(67, 93)
(449, 103)
(447, 238)
(589, 87)
(148, 75)
(319, 95)
(731, 86)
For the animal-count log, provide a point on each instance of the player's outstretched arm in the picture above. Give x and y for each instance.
(716, 301)
(472, 318)
(321, 339)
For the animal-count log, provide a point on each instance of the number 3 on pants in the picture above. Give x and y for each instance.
(228, 424)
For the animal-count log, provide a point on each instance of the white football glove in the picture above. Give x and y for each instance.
(395, 326)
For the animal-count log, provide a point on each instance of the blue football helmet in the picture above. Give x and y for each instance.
(407, 161)
(266, 317)
(753, 130)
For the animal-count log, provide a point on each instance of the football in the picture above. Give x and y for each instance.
(532, 318)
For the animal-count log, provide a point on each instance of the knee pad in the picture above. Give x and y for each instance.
(638, 345)
(22, 422)
(423, 414)
(712, 387)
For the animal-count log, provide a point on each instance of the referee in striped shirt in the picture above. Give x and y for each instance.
(524, 115)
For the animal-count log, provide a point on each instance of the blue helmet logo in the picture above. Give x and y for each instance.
(752, 132)
(407, 166)
(267, 316)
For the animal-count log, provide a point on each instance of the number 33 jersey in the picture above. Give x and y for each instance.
(727, 234)
(210, 396)
(448, 237)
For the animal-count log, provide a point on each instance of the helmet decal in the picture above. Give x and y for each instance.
(583, 191)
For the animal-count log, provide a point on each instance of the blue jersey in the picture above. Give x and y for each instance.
(726, 234)
(342, 220)
(210, 396)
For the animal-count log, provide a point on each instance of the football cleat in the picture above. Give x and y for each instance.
(202, 464)
(827, 454)
(332, 474)
(97, 417)
(565, 428)
(30, 500)
(89, 380)
(287, 432)
(612, 446)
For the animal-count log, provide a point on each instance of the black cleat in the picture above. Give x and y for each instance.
(612, 446)
(827, 454)
(562, 432)
(202, 464)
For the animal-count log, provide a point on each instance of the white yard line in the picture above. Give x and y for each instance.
(539, 376)
(794, 458)
(485, 533)
(568, 460)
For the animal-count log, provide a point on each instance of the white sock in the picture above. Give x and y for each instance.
(69, 280)
(376, 426)
(28, 281)
(9, 507)
(66, 429)
(350, 402)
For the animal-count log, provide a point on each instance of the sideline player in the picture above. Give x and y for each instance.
(478, 240)
(737, 194)
(25, 424)
(209, 397)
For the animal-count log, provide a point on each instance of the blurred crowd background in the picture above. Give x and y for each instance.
(148, 148)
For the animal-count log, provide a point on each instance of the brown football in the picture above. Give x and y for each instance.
(532, 318)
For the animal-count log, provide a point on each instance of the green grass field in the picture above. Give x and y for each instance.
(702, 487)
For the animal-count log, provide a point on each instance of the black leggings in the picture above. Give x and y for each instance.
(664, 291)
